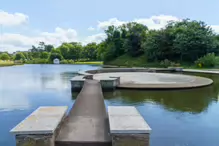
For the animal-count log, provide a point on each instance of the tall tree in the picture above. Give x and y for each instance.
(89, 51)
(74, 51)
(135, 36)
(44, 55)
(4, 56)
(64, 49)
(19, 56)
(48, 48)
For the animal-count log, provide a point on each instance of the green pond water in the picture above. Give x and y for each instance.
(177, 117)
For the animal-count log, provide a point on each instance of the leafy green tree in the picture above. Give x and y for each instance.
(55, 53)
(19, 56)
(134, 37)
(48, 48)
(74, 51)
(4, 56)
(54, 56)
(184, 41)
(41, 46)
(193, 39)
(64, 49)
(44, 55)
(89, 51)
(101, 51)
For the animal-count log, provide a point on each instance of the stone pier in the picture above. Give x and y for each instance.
(40, 128)
(128, 127)
(87, 123)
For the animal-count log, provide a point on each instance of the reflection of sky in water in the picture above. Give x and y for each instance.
(10, 101)
(177, 118)
(25, 88)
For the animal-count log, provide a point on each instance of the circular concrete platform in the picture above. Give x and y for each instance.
(145, 80)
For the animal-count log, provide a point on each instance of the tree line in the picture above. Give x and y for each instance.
(184, 41)
(47, 53)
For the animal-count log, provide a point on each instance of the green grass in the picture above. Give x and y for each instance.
(141, 61)
(6, 63)
(89, 62)
(128, 61)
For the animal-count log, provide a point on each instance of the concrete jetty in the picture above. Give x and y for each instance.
(87, 122)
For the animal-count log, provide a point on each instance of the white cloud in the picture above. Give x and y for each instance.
(91, 28)
(13, 42)
(154, 22)
(215, 28)
(7, 19)
(59, 36)
(112, 21)
(95, 38)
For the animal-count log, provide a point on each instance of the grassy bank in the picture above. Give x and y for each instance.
(141, 61)
(90, 63)
(6, 63)
(45, 61)
(128, 61)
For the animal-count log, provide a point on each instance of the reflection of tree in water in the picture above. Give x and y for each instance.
(74, 95)
(193, 100)
(68, 75)
(56, 78)
(46, 78)
(190, 100)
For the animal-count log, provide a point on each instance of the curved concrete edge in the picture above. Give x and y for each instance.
(155, 86)
(106, 70)
(89, 72)
(201, 71)
(161, 87)
(83, 73)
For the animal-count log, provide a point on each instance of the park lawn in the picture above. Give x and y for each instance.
(128, 61)
(6, 63)
(141, 61)
(89, 62)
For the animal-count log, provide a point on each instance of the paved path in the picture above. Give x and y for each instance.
(87, 123)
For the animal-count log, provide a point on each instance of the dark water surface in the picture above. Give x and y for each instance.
(177, 118)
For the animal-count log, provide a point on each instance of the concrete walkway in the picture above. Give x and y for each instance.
(88, 122)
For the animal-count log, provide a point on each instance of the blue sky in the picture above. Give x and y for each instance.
(25, 22)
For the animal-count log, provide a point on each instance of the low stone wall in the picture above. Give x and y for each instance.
(109, 70)
(107, 84)
(35, 140)
(131, 140)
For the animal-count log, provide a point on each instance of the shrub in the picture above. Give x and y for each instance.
(37, 61)
(165, 63)
(64, 62)
(71, 61)
(209, 60)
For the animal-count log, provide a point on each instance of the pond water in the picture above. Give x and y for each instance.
(177, 117)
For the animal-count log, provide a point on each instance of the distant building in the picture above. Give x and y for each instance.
(56, 61)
